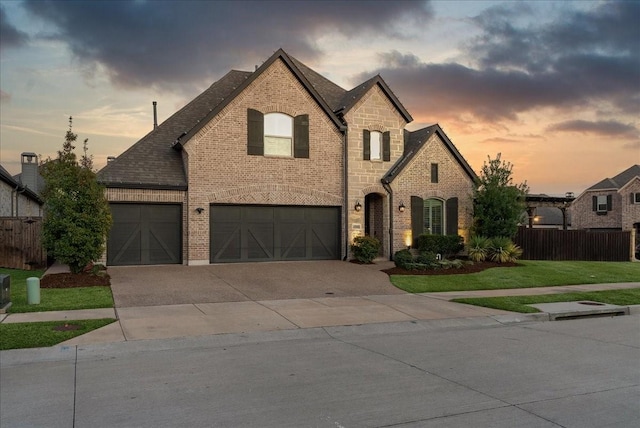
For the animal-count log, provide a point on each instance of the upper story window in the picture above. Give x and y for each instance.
(277, 134)
(434, 172)
(602, 204)
(635, 198)
(376, 145)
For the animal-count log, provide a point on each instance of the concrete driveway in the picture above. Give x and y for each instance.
(135, 286)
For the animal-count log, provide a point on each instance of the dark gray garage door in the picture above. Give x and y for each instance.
(267, 233)
(145, 234)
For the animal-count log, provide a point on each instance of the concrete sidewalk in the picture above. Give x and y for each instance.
(202, 319)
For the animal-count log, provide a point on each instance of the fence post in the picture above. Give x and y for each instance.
(632, 245)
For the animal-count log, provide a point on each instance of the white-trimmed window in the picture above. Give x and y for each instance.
(602, 204)
(635, 198)
(376, 145)
(278, 134)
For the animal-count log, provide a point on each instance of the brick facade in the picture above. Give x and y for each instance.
(623, 215)
(220, 171)
(416, 181)
(373, 112)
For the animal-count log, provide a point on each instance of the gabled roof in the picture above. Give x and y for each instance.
(413, 143)
(7, 178)
(353, 96)
(155, 162)
(619, 180)
(152, 162)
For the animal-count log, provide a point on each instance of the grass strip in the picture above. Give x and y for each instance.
(42, 334)
(529, 273)
(55, 299)
(624, 297)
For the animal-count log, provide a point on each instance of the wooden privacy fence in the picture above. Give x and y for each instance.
(21, 243)
(554, 244)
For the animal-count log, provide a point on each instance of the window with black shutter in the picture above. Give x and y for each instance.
(277, 134)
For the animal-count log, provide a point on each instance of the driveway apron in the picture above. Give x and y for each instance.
(135, 286)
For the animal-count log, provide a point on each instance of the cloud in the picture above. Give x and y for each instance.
(582, 59)
(146, 43)
(608, 128)
(10, 37)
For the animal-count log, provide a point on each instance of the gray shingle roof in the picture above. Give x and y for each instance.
(619, 180)
(413, 142)
(152, 162)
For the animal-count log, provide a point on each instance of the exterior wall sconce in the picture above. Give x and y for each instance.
(358, 207)
(199, 210)
(401, 208)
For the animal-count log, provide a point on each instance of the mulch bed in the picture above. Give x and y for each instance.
(71, 280)
(467, 268)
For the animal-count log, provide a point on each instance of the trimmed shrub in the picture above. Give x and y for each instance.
(365, 248)
(403, 258)
(427, 258)
(478, 248)
(445, 245)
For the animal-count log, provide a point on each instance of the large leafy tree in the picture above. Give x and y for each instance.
(498, 203)
(77, 216)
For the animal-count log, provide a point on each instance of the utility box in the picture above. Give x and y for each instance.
(5, 292)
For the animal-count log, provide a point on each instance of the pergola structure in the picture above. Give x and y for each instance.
(562, 203)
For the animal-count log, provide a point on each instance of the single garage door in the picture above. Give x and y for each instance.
(269, 233)
(145, 234)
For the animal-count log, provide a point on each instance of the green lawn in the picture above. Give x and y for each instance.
(41, 334)
(623, 297)
(55, 299)
(529, 274)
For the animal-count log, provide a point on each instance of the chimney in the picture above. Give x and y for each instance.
(155, 115)
(29, 176)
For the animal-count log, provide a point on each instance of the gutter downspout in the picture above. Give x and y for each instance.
(345, 214)
(387, 187)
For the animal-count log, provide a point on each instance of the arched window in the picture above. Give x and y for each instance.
(278, 134)
(433, 216)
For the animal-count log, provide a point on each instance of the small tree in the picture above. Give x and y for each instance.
(498, 203)
(77, 216)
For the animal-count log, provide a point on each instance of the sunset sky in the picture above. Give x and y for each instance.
(553, 86)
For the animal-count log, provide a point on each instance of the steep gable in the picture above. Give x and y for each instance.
(414, 142)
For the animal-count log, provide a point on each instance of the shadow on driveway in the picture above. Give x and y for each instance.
(134, 286)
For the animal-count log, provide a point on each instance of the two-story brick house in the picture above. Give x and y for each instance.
(611, 204)
(283, 164)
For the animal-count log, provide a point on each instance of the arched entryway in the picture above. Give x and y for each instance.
(374, 218)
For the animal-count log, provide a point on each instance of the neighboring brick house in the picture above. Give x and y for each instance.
(19, 195)
(283, 164)
(611, 204)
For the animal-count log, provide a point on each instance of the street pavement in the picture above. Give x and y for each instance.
(455, 372)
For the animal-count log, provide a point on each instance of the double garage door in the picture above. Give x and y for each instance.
(144, 234)
(269, 233)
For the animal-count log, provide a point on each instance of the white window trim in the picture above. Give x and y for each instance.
(278, 133)
(375, 155)
(636, 198)
(600, 205)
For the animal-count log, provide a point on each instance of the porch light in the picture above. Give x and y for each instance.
(358, 207)
(401, 208)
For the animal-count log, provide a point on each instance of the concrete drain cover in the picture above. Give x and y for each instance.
(584, 309)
